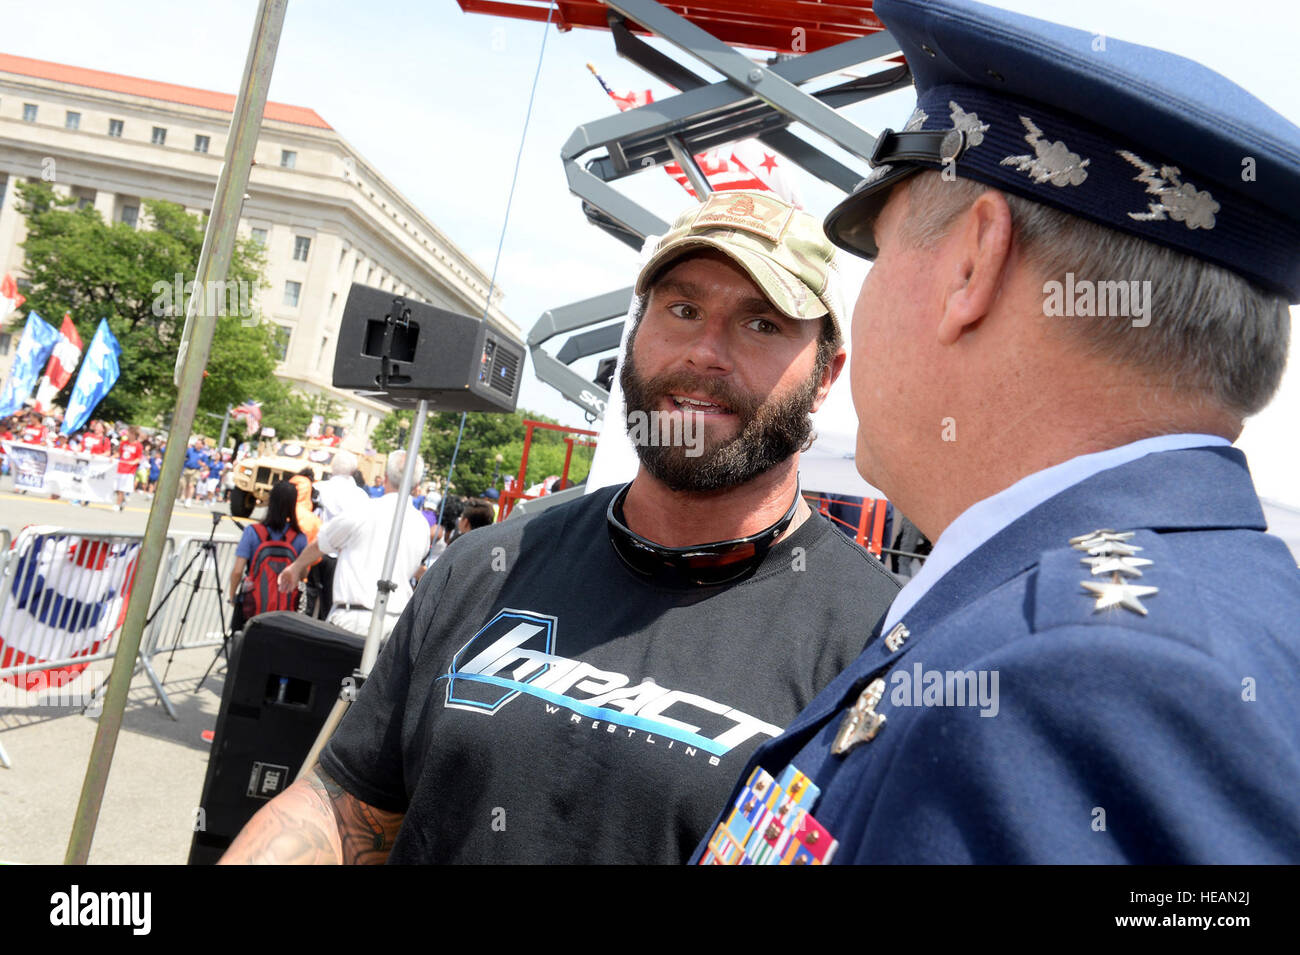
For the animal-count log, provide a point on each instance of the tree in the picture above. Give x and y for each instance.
(486, 436)
(80, 264)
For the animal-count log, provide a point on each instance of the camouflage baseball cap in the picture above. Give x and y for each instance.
(781, 248)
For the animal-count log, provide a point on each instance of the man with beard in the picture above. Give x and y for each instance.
(582, 685)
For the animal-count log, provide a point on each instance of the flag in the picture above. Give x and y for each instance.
(10, 297)
(98, 374)
(743, 165)
(251, 413)
(39, 339)
(67, 352)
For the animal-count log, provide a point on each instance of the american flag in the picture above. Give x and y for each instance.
(743, 165)
(250, 412)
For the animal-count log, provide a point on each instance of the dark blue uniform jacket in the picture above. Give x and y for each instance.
(1172, 737)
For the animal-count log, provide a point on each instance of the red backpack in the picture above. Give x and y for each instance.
(261, 588)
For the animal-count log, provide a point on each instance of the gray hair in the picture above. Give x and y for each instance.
(397, 463)
(344, 463)
(1211, 330)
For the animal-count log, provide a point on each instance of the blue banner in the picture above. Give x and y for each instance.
(39, 339)
(98, 374)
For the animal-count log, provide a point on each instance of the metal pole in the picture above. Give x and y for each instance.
(452, 468)
(214, 263)
(699, 182)
(371, 650)
(225, 429)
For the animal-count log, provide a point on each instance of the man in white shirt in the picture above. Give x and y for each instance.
(360, 537)
(340, 492)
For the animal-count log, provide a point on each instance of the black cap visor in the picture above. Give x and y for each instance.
(897, 156)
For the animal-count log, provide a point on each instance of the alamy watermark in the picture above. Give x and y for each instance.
(128, 909)
(1085, 298)
(922, 687)
(218, 297)
(666, 429)
(53, 688)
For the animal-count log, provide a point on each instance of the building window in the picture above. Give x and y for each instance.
(115, 128)
(288, 158)
(334, 297)
(259, 236)
(130, 214)
(159, 136)
(72, 120)
(324, 350)
(29, 112)
(201, 144)
(291, 292)
(282, 335)
(301, 246)
(5, 340)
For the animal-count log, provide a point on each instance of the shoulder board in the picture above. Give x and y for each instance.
(1128, 578)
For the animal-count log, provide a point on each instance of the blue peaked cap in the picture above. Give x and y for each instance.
(1131, 137)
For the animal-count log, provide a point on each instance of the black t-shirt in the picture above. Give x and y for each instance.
(540, 702)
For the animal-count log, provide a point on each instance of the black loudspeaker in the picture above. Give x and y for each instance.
(399, 351)
(284, 675)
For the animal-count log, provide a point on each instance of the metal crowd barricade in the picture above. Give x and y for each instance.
(190, 607)
(63, 598)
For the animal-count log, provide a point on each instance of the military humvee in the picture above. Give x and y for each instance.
(274, 461)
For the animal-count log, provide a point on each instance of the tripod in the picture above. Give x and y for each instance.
(205, 556)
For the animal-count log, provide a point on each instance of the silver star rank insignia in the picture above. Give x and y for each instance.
(1105, 543)
(1116, 565)
(1118, 593)
(1097, 536)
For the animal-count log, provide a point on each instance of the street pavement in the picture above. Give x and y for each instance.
(155, 784)
(154, 787)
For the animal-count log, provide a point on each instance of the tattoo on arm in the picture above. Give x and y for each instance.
(315, 822)
(365, 833)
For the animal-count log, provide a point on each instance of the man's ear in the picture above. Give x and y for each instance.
(978, 251)
(829, 374)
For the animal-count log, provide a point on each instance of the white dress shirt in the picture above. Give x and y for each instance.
(360, 538)
(338, 494)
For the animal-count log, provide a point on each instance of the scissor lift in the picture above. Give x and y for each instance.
(759, 100)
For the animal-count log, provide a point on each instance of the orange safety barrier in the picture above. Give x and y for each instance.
(869, 531)
(510, 498)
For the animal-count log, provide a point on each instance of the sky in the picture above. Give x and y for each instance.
(436, 99)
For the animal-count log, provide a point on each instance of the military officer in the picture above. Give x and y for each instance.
(1082, 265)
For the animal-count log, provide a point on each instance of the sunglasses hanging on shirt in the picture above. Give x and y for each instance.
(701, 565)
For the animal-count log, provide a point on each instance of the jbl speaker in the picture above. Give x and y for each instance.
(284, 675)
(400, 351)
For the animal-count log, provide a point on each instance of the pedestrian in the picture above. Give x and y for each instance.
(279, 525)
(130, 453)
(602, 669)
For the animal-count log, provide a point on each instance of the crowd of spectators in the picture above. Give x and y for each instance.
(139, 451)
